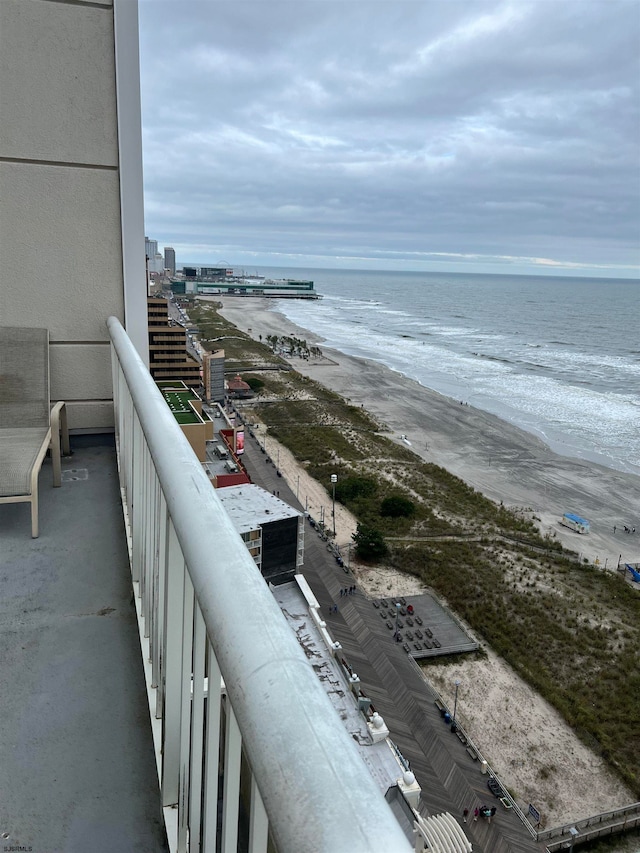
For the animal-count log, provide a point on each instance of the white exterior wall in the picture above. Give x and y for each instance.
(61, 241)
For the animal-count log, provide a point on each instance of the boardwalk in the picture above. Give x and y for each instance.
(450, 779)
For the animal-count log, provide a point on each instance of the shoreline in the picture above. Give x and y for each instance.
(541, 758)
(504, 462)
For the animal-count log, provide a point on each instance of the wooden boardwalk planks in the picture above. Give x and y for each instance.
(450, 779)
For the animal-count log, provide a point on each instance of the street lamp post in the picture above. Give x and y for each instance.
(334, 480)
(455, 707)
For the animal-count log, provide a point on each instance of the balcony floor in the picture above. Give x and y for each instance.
(78, 768)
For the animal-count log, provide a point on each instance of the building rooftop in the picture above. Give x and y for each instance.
(381, 760)
(249, 506)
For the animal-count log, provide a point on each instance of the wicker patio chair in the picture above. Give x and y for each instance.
(28, 426)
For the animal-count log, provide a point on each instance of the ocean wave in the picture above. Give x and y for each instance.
(532, 365)
(546, 371)
(498, 358)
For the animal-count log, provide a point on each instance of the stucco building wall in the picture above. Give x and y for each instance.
(61, 239)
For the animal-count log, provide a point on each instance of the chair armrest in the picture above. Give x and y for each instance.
(59, 427)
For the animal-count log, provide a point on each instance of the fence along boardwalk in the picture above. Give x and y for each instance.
(450, 779)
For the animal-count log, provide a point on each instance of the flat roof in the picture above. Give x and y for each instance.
(250, 506)
(378, 757)
(573, 517)
(179, 401)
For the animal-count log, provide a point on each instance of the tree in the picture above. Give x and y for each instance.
(397, 506)
(369, 542)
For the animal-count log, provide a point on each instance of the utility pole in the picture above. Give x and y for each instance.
(334, 480)
(454, 726)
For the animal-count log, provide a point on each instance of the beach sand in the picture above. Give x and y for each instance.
(526, 742)
(498, 459)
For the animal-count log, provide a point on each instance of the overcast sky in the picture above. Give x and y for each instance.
(449, 135)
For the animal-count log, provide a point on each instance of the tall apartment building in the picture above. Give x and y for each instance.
(155, 258)
(150, 248)
(168, 355)
(213, 376)
(170, 260)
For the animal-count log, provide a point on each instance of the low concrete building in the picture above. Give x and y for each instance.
(272, 530)
(187, 409)
(239, 388)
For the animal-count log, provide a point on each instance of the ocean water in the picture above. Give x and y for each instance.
(559, 357)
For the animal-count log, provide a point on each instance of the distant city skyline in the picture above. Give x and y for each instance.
(480, 136)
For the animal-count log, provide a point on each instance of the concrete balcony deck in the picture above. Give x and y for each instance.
(78, 766)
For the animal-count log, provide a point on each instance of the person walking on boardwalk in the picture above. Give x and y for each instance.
(476, 812)
(465, 814)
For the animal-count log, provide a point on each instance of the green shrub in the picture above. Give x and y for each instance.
(351, 488)
(254, 383)
(370, 544)
(396, 506)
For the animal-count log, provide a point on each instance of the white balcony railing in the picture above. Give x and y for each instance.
(248, 744)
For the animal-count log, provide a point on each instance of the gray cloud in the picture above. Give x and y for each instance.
(409, 130)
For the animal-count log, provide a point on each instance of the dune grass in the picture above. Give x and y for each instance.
(572, 631)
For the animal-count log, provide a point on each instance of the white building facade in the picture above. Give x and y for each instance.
(71, 189)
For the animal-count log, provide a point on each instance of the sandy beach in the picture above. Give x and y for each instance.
(502, 461)
(509, 465)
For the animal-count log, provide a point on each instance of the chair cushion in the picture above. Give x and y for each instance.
(19, 450)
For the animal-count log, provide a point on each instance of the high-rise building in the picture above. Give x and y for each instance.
(168, 355)
(170, 260)
(150, 248)
(213, 376)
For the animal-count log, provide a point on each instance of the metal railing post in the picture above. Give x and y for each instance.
(258, 821)
(172, 686)
(231, 783)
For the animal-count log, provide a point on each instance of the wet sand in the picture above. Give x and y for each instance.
(502, 461)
